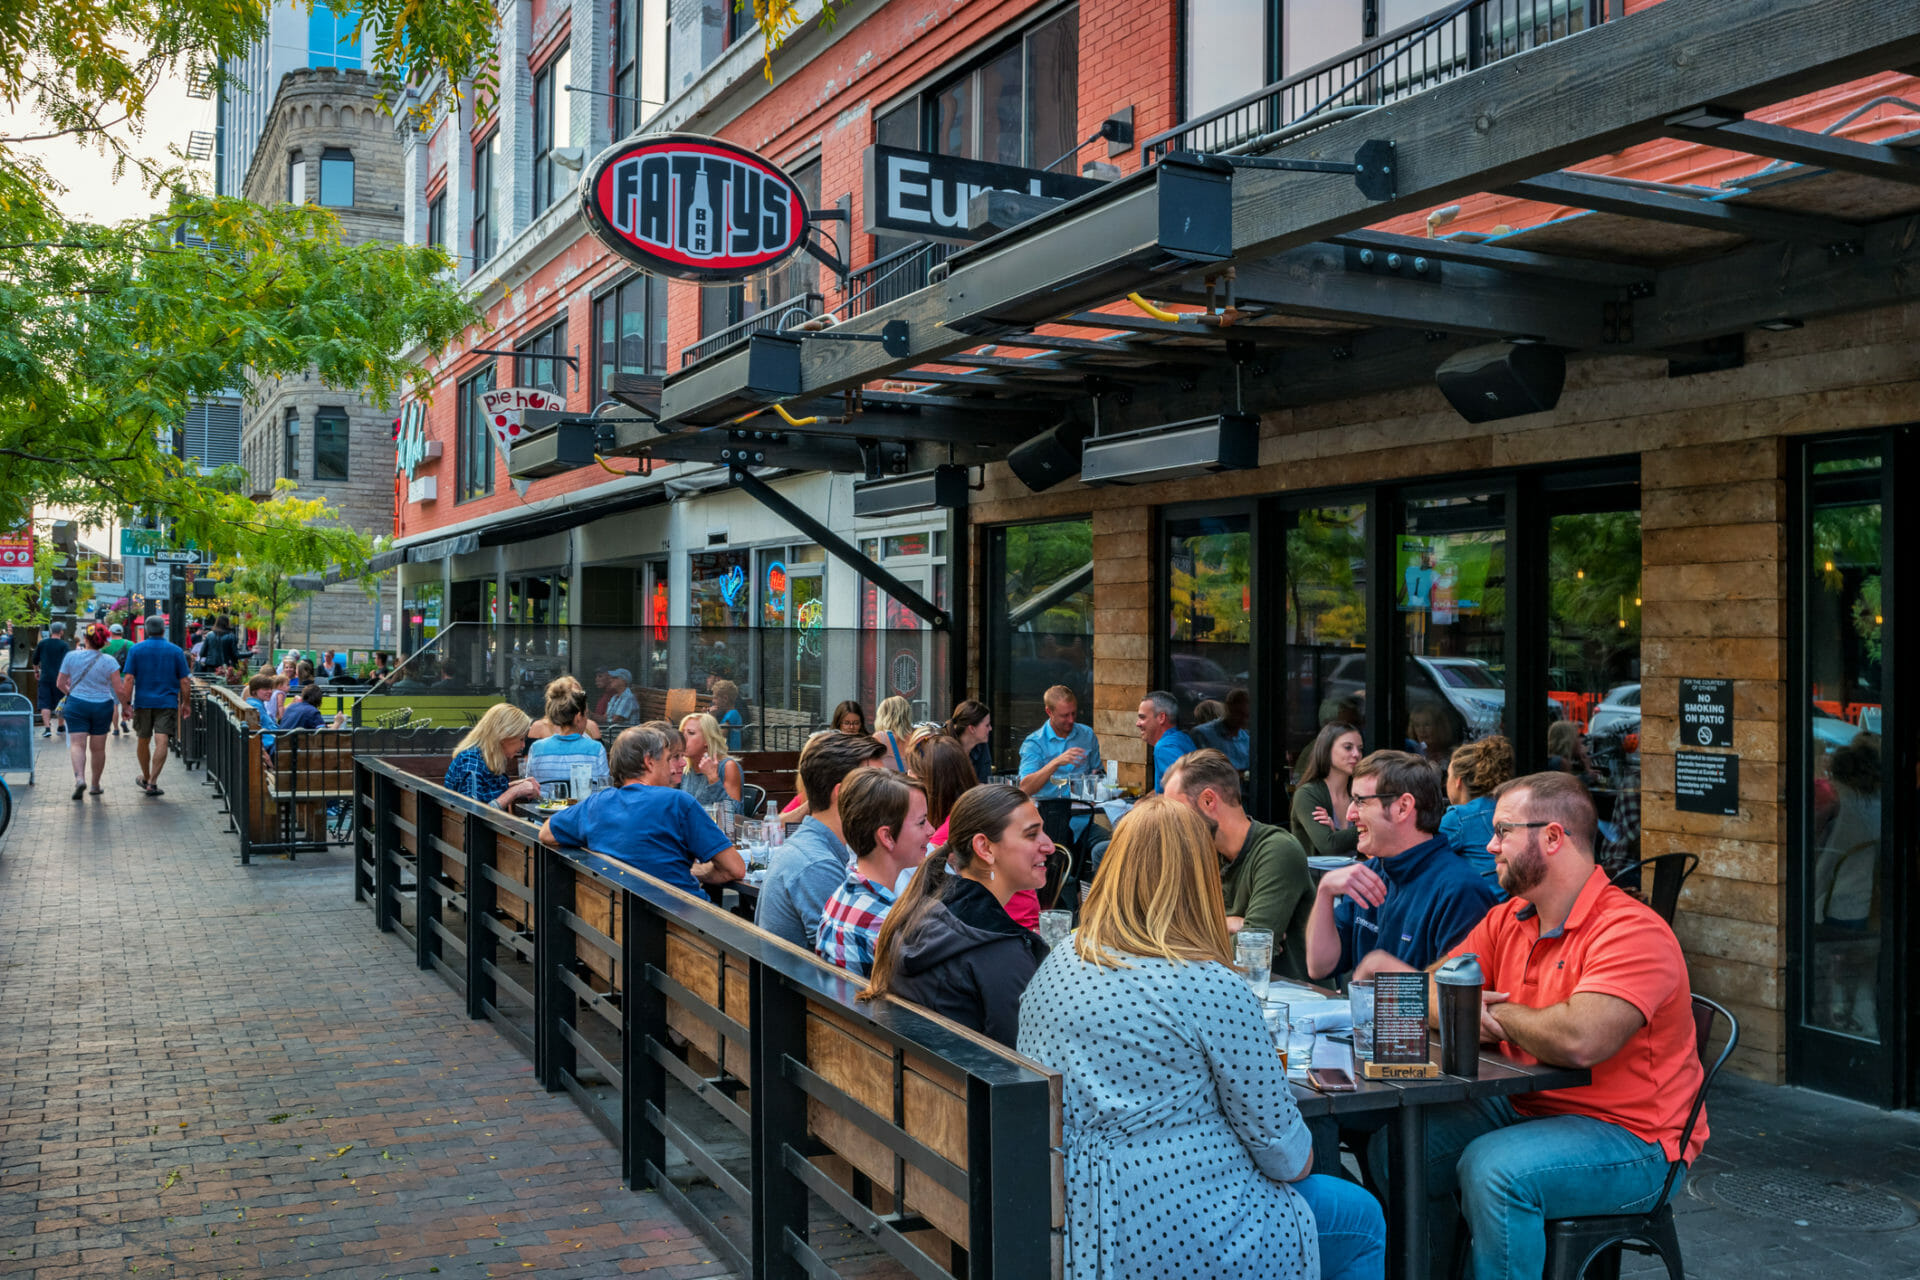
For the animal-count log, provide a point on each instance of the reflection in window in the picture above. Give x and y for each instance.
(1326, 664)
(720, 603)
(1593, 667)
(630, 331)
(1210, 599)
(1042, 626)
(336, 178)
(1450, 588)
(331, 436)
(1844, 835)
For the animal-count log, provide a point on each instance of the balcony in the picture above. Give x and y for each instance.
(784, 314)
(1461, 38)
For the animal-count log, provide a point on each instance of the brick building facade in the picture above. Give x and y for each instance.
(329, 140)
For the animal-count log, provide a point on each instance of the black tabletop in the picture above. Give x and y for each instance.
(1500, 1075)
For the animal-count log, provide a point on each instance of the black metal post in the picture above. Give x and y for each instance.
(426, 900)
(779, 1121)
(1407, 1247)
(643, 1021)
(240, 792)
(1009, 1181)
(482, 901)
(383, 807)
(553, 1002)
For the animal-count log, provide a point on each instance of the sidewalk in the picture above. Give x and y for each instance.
(213, 1071)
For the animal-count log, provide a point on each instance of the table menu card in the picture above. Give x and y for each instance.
(1400, 1018)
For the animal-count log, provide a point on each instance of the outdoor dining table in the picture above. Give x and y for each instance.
(1500, 1076)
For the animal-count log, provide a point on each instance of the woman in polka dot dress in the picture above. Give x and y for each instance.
(1185, 1153)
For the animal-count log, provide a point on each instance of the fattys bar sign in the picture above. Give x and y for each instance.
(694, 208)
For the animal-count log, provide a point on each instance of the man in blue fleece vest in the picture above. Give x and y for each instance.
(1413, 897)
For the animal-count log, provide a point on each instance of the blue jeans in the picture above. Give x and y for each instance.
(1351, 1227)
(1514, 1172)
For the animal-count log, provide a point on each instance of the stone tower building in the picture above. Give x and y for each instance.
(328, 140)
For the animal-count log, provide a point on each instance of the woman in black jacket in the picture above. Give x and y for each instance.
(949, 943)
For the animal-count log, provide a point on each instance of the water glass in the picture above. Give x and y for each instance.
(1360, 1001)
(1253, 958)
(1279, 1020)
(1055, 926)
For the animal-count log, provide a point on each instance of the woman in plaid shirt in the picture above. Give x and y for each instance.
(883, 815)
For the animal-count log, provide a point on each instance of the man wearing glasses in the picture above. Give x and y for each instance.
(1413, 897)
(1578, 974)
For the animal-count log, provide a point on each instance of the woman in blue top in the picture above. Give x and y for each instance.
(259, 689)
(713, 776)
(1472, 776)
(893, 725)
(87, 677)
(551, 759)
(481, 764)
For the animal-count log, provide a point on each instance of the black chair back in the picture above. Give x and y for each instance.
(1056, 818)
(1706, 1016)
(1670, 872)
(753, 798)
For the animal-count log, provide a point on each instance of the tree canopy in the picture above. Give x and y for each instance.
(110, 332)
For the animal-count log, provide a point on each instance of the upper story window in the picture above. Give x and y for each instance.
(331, 433)
(536, 366)
(486, 231)
(629, 332)
(801, 274)
(720, 24)
(296, 179)
(476, 437)
(549, 108)
(330, 38)
(1234, 48)
(290, 440)
(639, 61)
(336, 178)
(437, 220)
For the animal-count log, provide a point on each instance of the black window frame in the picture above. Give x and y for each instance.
(485, 236)
(536, 362)
(801, 273)
(437, 220)
(612, 302)
(545, 118)
(475, 463)
(332, 419)
(1022, 39)
(628, 79)
(290, 444)
(331, 159)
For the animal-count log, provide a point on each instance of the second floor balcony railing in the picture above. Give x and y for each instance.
(787, 313)
(1460, 38)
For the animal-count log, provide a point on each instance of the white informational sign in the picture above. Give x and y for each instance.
(386, 623)
(156, 582)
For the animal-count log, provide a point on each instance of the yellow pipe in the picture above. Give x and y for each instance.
(792, 421)
(1158, 313)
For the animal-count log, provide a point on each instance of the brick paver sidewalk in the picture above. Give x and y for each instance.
(213, 1071)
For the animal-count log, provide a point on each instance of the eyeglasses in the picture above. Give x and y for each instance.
(1382, 797)
(1501, 830)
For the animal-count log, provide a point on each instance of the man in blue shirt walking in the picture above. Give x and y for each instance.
(1413, 898)
(155, 682)
(1159, 727)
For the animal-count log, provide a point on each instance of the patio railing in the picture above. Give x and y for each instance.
(795, 1127)
(1460, 38)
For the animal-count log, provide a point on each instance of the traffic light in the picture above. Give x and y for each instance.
(63, 589)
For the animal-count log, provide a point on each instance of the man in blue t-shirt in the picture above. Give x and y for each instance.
(1158, 722)
(155, 682)
(1413, 898)
(647, 822)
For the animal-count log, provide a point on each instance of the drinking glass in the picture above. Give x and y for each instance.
(1253, 958)
(1055, 926)
(1360, 1001)
(1279, 1020)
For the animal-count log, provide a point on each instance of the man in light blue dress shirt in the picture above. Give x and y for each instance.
(1058, 749)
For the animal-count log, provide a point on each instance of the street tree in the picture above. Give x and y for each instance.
(261, 585)
(110, 332)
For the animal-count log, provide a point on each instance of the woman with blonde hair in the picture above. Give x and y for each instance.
(1473, 774)
(892, 725)
(482, 765)
(713, 776)
(1173, 1095)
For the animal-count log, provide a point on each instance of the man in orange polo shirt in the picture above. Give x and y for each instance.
(1578, 974)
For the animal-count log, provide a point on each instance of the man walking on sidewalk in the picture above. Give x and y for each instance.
(156, 683)
(52, 651)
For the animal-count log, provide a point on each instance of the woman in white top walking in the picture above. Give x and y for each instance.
(87, 678)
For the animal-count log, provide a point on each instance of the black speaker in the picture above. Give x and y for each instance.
(1049, 457)
(1503, 380)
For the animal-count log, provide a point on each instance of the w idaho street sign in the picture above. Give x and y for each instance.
(694, 208)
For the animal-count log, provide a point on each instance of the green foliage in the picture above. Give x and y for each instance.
(108, 333)
(1593, 575)
(261, 587)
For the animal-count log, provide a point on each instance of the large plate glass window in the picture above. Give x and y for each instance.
(629, 332)
(791, 584)
(1040, 628)
(720, 607)
(538, 365)
(549, 109)
(1326, 604)
(1020, 106)
(639, 62)
(900, 653)
(332, 439)
(1450, 590)
(1210, 628)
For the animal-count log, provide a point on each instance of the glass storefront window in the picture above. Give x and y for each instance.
(1450, 589)
(1593, 667)
(1326, 662)
(1843, 866)
(1210, 620)
(1041, 626)
(420, 615)
(719, 602)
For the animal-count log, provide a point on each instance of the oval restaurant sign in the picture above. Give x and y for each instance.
(694, 208)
